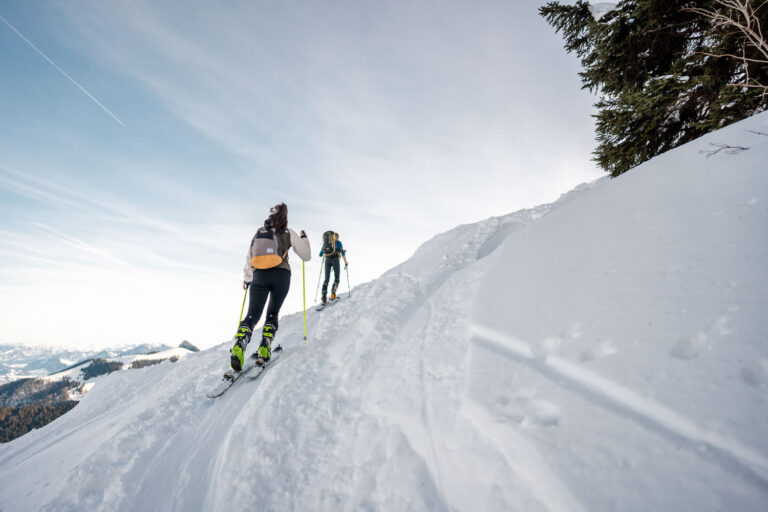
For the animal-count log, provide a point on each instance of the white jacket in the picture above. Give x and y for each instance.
(300, 246)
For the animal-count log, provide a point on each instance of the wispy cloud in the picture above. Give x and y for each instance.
(43, 55)
(373, 113)
(27, 185)
(99, 254)
(98, 227)
(17, 183)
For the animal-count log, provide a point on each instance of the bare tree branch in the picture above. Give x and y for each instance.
(742, 16)
(725, 148)
(718, 55)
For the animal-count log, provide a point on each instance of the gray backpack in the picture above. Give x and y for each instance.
(265, 249)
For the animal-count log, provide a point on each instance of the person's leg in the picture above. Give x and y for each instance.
(280, 280)
(281, 283)
(336, 276)
(259, 290)
(327, 277)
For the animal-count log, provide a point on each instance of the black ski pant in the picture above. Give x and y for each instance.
(331, 263)
(273, 283)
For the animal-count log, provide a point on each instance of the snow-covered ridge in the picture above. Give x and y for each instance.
(80, 377)
(84, 382)
(21, 361)
(606, 352)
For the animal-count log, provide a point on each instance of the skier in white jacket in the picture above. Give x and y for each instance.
(272, 283)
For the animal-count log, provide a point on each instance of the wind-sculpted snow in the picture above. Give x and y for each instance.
(638, 313)
(602, 353)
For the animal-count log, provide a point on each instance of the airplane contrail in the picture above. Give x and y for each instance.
(61, 71)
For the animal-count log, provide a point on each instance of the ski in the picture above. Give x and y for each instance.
(330, 303)
(231, 376)
(278, 350)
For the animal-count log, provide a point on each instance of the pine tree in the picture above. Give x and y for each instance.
(650, 62)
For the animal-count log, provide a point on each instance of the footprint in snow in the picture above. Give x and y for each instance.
(701, 342)
(545, 347)
(603, 349)
(543, 413)
(756, 373)
(525, 411)
(691, 348)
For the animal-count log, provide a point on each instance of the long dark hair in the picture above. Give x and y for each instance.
(278, 217)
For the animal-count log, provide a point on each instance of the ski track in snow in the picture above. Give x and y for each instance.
(624, 401)
(426, 410)
(524, 479)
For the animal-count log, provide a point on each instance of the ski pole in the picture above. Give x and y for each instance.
(242, 308)
(304, 300)
(349, 287)
(322, 265)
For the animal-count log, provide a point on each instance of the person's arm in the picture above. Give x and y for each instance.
(247, 270)
(340, 248)
(300, 244)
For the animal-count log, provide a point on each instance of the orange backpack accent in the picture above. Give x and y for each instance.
(265, 249)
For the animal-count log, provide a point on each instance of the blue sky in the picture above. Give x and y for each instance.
(130, 190)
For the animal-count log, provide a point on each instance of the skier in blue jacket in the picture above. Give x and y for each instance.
(332, 248)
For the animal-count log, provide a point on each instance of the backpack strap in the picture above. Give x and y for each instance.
(280, 242)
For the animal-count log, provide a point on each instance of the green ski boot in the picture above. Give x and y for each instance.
(265, 348)
(237, 356)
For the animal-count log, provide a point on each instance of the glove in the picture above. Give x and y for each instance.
(346, 265)
(303, 234)
(246, 285)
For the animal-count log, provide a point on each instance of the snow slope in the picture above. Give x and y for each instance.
(606, 352)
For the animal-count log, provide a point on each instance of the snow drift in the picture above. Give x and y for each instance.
(605, 352)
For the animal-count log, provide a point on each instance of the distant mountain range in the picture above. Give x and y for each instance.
(40, 384)
(21, 361)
